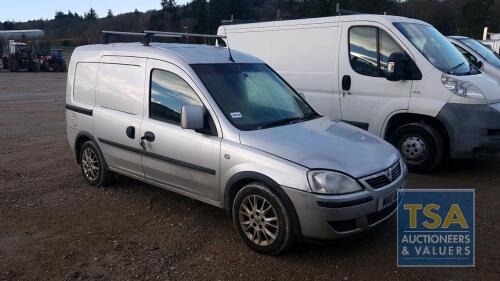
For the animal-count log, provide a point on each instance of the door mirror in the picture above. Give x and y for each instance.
(479, 64)
(396, 67)
(192, 117)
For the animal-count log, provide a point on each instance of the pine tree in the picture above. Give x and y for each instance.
(91, 14)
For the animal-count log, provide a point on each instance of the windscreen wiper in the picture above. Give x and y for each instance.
(280, 122)
(456, 66)
(290, 120)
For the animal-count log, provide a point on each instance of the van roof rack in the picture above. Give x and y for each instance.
(148, 35)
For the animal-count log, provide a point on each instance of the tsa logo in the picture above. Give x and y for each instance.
(436, 227)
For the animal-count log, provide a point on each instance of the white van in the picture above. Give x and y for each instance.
(397, 77)
(225, 129)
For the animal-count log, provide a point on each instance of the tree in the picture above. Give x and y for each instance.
(110, 14)
(91, 15)
(137, 12)
(475, 17)
(167, 5)
(8, 25)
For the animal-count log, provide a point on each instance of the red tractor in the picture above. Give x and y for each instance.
(53, 61)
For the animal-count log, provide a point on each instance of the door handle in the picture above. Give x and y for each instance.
(346, 82)
(130, 131)
(149, 136)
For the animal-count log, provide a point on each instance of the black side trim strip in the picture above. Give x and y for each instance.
(345, 203)
(119, 145)
(361, 125)
(179, 162)
(160, 157)
(79, 109)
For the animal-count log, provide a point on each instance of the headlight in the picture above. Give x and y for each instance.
(462, 88)
(328, 182)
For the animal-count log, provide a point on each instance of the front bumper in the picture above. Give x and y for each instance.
(474, 129)
(327, 217)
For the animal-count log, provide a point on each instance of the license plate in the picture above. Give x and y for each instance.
(387, 200)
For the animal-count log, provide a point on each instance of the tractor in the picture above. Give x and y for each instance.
(54, 61)
(21, 57)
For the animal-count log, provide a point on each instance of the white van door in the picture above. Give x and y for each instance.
(367, 97)
(182, 159)
(118, 112)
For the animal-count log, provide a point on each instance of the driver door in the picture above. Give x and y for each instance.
(367, 97)
(179, 158)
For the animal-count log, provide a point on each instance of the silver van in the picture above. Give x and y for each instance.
(227, 130)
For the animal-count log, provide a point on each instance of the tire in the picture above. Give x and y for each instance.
(281, 229)
(420, 145)
(36, 67)
(95, 173)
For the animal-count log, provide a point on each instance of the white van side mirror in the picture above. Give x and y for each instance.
(192, 117)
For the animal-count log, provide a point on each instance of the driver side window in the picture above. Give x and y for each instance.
(370, 49)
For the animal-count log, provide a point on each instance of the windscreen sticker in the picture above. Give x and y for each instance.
(235, 115)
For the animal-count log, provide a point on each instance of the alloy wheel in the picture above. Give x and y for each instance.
(90, 164)
(259, 220)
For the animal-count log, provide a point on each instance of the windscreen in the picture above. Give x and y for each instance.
(436, 48)
(484, 52)
(252, 96)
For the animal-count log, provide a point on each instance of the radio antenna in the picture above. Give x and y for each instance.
(227, 44)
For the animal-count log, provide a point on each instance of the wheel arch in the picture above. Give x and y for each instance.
(239, 180)
(80, 139)
(400, 119)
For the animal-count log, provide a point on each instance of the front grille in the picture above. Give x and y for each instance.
(385, 177)
(378, 182)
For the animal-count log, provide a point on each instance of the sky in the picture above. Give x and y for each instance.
(24, 10)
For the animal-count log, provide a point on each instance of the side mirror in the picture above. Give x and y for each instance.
(192, 117)
(396, 67)
(479, 64)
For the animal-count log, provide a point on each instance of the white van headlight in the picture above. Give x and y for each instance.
(328, 182)
(461, 88)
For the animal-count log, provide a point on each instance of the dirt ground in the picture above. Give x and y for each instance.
(54, 226)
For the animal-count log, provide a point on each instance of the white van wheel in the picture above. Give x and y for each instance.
(420, 145)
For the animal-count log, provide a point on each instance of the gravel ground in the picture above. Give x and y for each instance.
(54, 226)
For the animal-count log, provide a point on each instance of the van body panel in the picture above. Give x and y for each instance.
(428, 95)
(238, 158)
(119, 96)
(370, 99)
(330, 145)
(474, 129)
(177, 157)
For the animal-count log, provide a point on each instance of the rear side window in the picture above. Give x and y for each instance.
(168, 94)
(370, 49)
(121, 87)
(85, 79)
